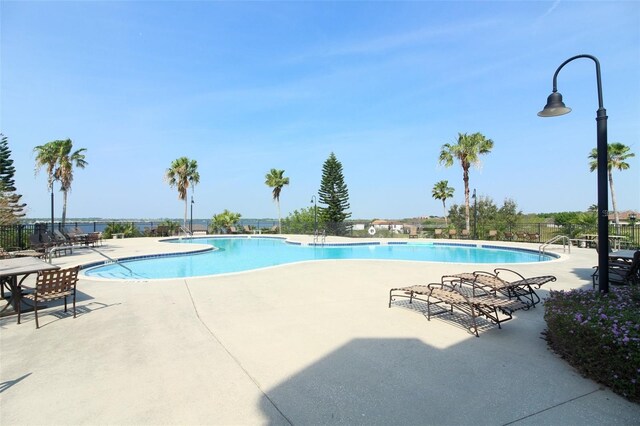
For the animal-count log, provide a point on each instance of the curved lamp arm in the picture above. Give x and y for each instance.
(599, 80)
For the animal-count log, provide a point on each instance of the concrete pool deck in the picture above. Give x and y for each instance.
(307, 343)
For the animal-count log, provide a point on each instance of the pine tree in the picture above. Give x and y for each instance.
(10, 207)
(334, 195)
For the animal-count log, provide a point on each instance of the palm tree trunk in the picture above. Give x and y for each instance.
(185, 213)
(613, 200)
(64, 207)
(279, 223)
(444, 209)
(465, 178)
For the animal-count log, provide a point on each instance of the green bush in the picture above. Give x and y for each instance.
(598, 334)
(128, 229)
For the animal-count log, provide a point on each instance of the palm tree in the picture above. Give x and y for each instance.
(441, 191)
(275, 179)
(46, 156)
(617, 153)
(467, 150)
(182, 174)
(64, 173)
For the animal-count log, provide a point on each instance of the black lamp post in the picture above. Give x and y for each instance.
(314, 200)
(555, 107)
(191, 220)
(475, 215)
(52, 209)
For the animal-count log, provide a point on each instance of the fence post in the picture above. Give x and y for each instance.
(540, 232)
(20, 233)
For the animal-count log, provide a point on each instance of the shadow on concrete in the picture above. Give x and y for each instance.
(56, 310)
(438, 313)
(405, 381)
(9, 383)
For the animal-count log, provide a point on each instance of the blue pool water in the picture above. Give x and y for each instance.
(243, 254)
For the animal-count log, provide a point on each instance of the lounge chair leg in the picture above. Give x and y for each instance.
(473, 319)
(35, 311)
(19, 310)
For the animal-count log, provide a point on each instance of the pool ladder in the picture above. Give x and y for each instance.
(316, 236)
(566, 244)
(186, 232)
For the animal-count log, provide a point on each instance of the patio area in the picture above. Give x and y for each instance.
(307, 343)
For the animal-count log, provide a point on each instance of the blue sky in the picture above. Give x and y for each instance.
(243, 87)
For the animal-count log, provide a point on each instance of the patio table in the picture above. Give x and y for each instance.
(11, 270)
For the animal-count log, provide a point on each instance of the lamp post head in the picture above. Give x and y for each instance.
(554, 106)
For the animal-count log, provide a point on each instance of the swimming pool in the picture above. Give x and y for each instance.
(236, 254)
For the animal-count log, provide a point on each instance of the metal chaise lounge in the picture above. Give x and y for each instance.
(622, 270)
(462, 297)
(521, 288)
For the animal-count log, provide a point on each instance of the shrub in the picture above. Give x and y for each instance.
(128, 229)
(598, 334)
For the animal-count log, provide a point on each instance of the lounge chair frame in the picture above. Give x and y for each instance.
(520, 289)
(622, 270)
(462, 297)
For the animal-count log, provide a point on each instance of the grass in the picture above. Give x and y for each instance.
(599, 335)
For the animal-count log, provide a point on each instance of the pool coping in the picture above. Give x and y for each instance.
(289, 240)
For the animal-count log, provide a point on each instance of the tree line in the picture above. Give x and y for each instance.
(59, 159)
(467, 151)
(333, 194)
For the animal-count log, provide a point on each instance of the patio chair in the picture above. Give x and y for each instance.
(508, 236)
(39, 245)
(465, 234)
(53, 285)
(622, 270)
(462, 298)
(493, 234)
(4, 254)
(18, 252)
(522, 236)
(533, 237)
(60, 238)
(520, 288)
(437, 233)
(413, 232)
(452, 233)
(93, 239)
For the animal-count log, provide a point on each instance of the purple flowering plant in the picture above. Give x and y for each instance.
(599, 335)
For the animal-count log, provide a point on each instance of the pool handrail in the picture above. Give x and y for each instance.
(566, 244)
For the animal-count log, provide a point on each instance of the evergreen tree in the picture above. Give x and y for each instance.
(10, 207)
(334, 195)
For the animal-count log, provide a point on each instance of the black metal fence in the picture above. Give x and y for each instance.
(17, 236)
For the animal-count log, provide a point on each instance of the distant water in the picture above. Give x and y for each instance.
(98, 225)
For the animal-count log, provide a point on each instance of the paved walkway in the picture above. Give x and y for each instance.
(309, 343)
